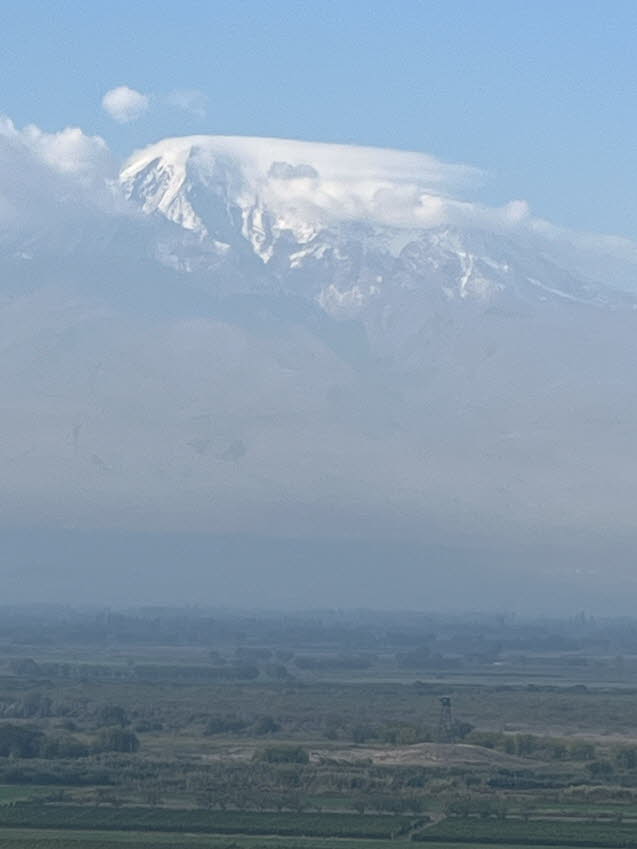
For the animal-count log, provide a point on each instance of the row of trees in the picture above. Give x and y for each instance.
(534, 746)
(21, 741)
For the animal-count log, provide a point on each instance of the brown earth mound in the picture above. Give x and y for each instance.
(422, 754)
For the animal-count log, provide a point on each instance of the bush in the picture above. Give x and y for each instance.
(284, 755)
(265, 725)
(228, 724)
(363, 733)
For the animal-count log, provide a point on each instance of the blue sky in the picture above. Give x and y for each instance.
(543, 96)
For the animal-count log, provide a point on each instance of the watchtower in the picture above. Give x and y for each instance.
(445, 721)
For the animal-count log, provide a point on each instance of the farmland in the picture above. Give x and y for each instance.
(192, 730)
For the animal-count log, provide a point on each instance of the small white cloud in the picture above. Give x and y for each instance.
(189, 100)
(124, 104)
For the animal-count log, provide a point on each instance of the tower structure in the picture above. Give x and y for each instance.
(445, 721)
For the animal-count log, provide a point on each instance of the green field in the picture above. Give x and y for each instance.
(16, 793)
(183, 730)
(533, 833)
(34, 815)
(60, 839)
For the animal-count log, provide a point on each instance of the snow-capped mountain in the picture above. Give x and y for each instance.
(283, 337)
(339, 226)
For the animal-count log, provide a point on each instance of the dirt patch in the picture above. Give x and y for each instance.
(422, 754)
(231, 753)
(419, 754)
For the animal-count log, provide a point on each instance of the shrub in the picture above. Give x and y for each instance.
(265, 725)
(284, 755)
(228, 724)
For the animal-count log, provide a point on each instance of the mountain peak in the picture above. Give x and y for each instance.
(352, 228)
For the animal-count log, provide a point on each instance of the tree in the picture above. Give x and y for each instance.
(219, 724)
(18, 741)
(265, 725)
(117, 739)
(626, 757)
(151, 795)
(600, 769)
(360, 804)
(112, 715)
(362, 733)
(581, 750)
(34, 704)
(63, 746)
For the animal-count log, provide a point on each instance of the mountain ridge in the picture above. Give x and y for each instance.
(246, 204)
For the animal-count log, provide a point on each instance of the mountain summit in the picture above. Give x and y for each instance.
(356, 230)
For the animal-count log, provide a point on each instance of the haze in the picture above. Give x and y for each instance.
(257, 372)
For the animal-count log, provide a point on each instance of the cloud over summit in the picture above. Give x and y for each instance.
(302, 182)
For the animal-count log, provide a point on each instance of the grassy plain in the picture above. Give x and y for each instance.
(310, 733)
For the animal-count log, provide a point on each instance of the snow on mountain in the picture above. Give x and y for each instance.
(353, 229)
(309, 182)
